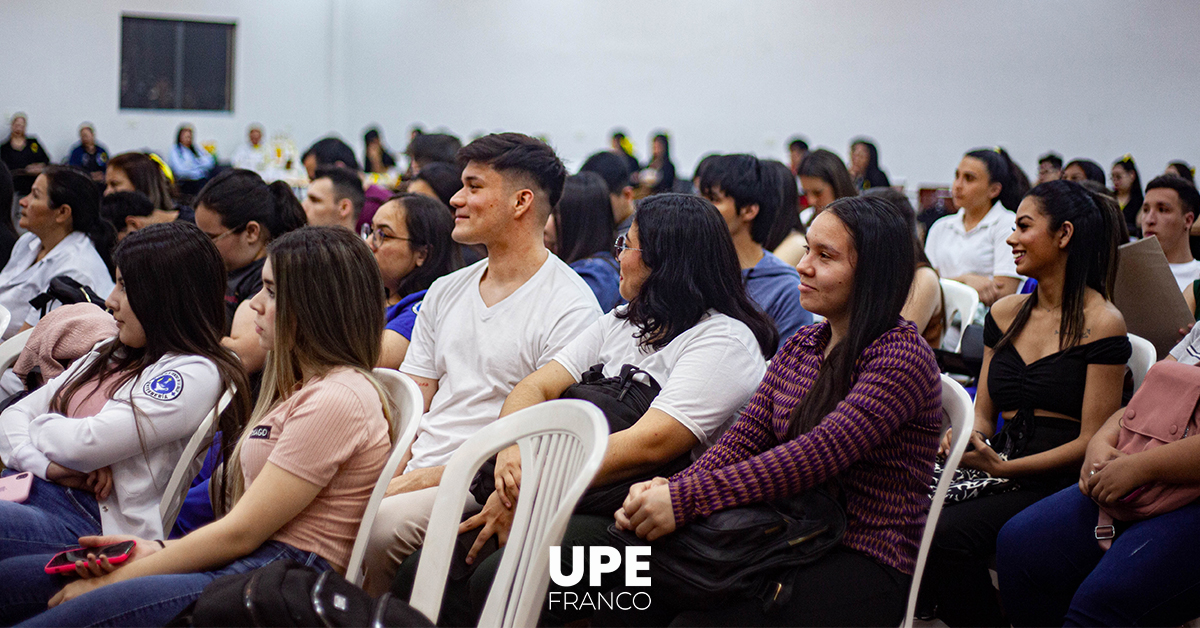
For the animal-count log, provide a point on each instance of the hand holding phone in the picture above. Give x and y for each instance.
(114, 554)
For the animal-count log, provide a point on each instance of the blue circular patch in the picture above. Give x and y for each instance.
(165, 387)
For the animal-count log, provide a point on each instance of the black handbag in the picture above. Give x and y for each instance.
(742, 553)
(66, 291)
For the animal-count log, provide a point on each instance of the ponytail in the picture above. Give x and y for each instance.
(1003, 170)
(241, 196)
(288, 214)
(70, 186)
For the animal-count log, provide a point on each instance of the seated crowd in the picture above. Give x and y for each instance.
(496, 281)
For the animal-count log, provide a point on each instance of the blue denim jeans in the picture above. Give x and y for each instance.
(51, 520)
(1053, 573)
(25, 589)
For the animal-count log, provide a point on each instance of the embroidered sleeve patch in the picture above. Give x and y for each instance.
(165, 387)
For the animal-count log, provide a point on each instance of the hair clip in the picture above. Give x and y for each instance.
(997, 149)
(162, 165)
(1127, 158)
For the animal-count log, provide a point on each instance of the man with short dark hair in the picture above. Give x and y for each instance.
(332, 152)
(1168, 211)
(613, 170)
(88, 155)
(749, 199)
(1049, 167)
(335, 198)
(481, 329)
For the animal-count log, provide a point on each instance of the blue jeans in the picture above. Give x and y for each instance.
(1053, 573)
(25, 589)
(51, 520)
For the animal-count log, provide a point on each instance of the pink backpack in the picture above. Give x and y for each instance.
(1164, 410)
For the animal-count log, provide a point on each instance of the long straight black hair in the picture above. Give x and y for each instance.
(693, 269)
(881, 285)
(583, 218)
(1091, 255)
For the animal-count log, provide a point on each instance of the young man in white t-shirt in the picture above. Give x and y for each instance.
(1168, 212)
(481, 329)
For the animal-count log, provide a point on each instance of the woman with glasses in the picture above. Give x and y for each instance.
(410, 237)
(242, 214)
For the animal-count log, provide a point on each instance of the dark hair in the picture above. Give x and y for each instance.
(828, 167)
(881, 285)
(147, 177)
(1091, 169)
(1136, 197)
(583, 218)
(445, 179)
(873, 175)
(612, 169)
(6, 200)
(1091, 256)
(666, 143)
(331, 150)
(71, 186)
(693, 269)
(346, 184)
(742, 178)
(702, 165)
(787, 218)
(516, 153)
(429, 226)
(179, 138)
(241, 196)
(1183, 169)
(798, 144)
(182, 311)
(1052, 158)
(371, 135)
(428, 148)
(1188, 196)
(1107, 202)
(118, 206)
(1001, 169)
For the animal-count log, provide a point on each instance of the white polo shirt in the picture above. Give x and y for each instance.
(953, 251)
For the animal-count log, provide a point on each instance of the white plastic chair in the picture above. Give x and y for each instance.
(5, 317)
(1143, 357)
(11, 349)
(958, 407)
(407, 407)
(190, 463)
(562, 444)
(963, 299)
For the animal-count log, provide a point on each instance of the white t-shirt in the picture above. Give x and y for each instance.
(1185, 273)
(706, 373)
(479, 353)
(953, 251)
(23, 277)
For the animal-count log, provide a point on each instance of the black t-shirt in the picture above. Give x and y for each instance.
(32, 153)
(242, 284)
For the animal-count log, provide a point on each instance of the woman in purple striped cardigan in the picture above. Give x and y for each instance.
(856, 399)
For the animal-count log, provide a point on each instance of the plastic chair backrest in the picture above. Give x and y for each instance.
(562, 445)
(958, 407)
(5, 317)
(11, 349)
(960, 298)
(1143, 357)
(407, 407)
(190, 462)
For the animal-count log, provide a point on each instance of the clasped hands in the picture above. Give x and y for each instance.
(1109, 474)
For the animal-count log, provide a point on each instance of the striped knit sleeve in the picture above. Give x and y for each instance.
(891, 388)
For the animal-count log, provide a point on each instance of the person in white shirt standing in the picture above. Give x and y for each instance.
(969, 246)
(1168, 211)
(66, 236)
(482, 329)
(253, 154)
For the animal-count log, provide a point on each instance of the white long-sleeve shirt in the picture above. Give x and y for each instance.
(171, 397)
(25, 277)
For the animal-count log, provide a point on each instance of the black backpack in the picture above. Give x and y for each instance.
(286, 593)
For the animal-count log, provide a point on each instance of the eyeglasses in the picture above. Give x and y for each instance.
(221, 236)
(377, 236)
(620, 245)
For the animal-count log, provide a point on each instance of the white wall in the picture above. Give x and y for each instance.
(928, 80)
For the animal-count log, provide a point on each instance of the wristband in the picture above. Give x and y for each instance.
(161, 545)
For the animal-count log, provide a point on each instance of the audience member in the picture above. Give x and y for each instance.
(87, 155)
(616, 175)
(824, 179)
(334, 199)
(65, 236)
(1053, 366)
(925, 307)
(1127, 187)
(437, 180)
(797, 150)
(376, 158)
(300, 493)
(326, 152)
(1080, 170)
(659, 173)
(428, 148)
(855, 399)
(1171, 205)
(410, 237)
(23, 154)
(1181, 169)
(143, 172)
(705, 345)
(623, 148)
(1050, 167)
(253, 154)
(126, 212)
(582, 228)
(864, 165)
(970, 246)
(482, 329)
(748, 195)
(8, 233)
(787, 225)
(192, 167)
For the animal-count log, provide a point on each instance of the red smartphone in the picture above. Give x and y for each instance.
(64, 562)
(15, 488)
(1134, 494)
